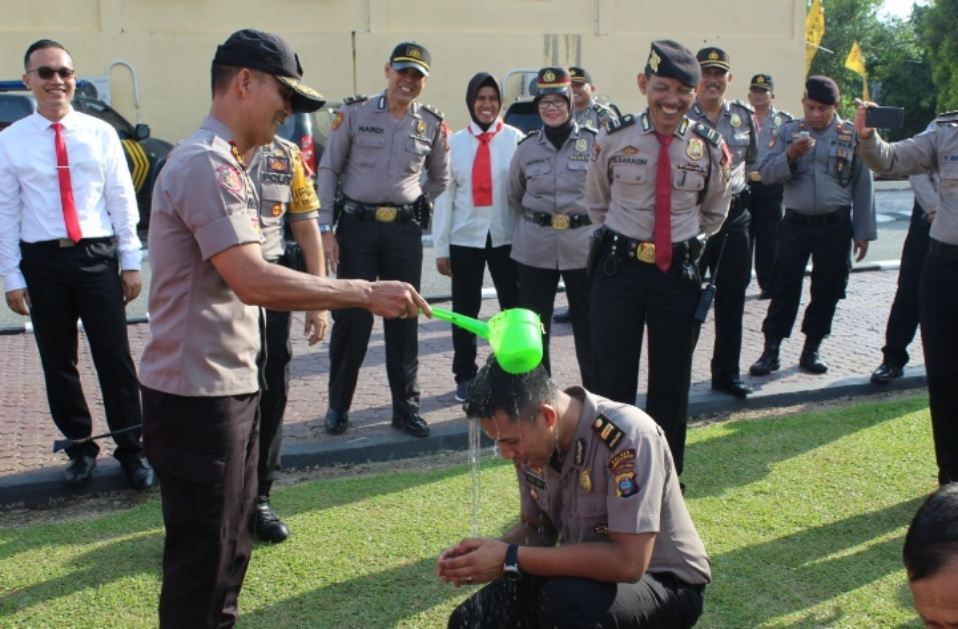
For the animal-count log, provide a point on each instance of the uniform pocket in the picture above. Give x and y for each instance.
(688, 180)
(629, 174)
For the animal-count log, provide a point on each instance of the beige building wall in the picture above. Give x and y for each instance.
(344, 44)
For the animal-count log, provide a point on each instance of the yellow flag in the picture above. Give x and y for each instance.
(856, 63)
(814, 30)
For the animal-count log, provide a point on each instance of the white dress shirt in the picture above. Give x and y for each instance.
(30, 207)
(456, 221)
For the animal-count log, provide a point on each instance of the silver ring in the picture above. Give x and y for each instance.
(403, 315)
(468, 578)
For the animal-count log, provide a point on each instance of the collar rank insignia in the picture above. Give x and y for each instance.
(579, 452)
(609, 433)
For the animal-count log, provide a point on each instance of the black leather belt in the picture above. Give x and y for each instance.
(943, 249)
(384, 213)
(557, 221)
(645, 251)
(818, 220)
(62, 243)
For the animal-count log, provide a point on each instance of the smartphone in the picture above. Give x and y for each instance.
(884, 117)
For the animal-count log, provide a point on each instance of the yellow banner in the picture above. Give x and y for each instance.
(855, 62)
(814, 30)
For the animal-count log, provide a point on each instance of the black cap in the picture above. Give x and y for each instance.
(822, 89)
(712, 57)
(580, 75)
(763, 82)
(410, 55)
(671, 60)
(269, 53)
(553, 81)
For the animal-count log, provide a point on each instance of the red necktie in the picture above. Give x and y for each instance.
(66, 188)
(482, 169)
(663, 205)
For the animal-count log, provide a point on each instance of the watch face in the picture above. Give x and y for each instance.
(511, 573)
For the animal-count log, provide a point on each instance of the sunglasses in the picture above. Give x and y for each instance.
(46, 73)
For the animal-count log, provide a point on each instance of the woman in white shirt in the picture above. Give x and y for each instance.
(472, 223)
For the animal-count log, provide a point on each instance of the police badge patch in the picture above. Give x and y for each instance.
(581, 145)
(338, 120)
(626, 485)
(229, 178)
(695, 149)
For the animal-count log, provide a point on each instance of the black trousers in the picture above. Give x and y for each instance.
(903, 317)
(655, 602)
(204, 451)
(627, 296)
(272, 401)
(732, 275)
(387, 251)
(468, 271)
(830, 248)
(83, 282)
(939, 312)
(766, 209)
(537, 292)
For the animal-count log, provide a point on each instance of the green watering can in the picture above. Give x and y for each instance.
(515, 336)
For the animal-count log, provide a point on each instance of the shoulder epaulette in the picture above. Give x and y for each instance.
(947, 117)
(785, 115)
(599, 107)
(589, 129)
(609, 433)
(435, 112)
(620, 123)
(744, 105)
(529, 134)
(358, 98)
(710, 134)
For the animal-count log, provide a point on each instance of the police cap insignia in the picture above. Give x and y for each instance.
(671, 60)
(712, 57)
(580, 75)
(549, 76)
(763, 82)
(411, 55)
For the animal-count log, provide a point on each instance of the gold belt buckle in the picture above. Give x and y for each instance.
(754, 176)
(646, 252)
(66, 242)
(560, 221)
(386, 214)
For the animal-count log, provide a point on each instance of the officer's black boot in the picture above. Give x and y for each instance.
(268, 527)
(810, 361)
(768, 361)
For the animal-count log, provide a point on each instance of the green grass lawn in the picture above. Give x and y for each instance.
(803, 517)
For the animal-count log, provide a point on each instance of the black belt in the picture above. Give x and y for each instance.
(645, 251)
(384, 213)
(818, 220)
(62, 243)
(942, 249)
(557, 221)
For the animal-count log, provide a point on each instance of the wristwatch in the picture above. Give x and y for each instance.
(323, 228)
(510, 569)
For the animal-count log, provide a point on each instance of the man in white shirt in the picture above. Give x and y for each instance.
(472, 221)
(69, 251)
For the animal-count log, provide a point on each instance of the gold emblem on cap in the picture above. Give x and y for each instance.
(713, 55)
(581, 145)
(421, 128)
(760, 80)
(736, 120)
(412, 51)
(695, 149)
(549, 76)
(654, 61)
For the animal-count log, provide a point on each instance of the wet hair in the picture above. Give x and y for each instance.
(931, 542)
(517, 395)
(40, 45)
(221, 75)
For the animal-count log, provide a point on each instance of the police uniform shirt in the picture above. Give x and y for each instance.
(620, 186)
(203, 204)
(543, 179)
(285, 192)
(767, 128)
(827, 178)
(925, 188)
(736, 123)
(378, 159)
(619, 477)
(594, 116)
(936, 148)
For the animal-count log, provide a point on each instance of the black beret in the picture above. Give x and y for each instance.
(411, 55)
(671, 60)
(713, 57)
(580, 75)
(763, 81)
(553, 81)
(822, 89)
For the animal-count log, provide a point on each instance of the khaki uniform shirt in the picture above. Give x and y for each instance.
(378, 159)
(594, 116)
(736, 123)
(204, 341)
(618, 478)
(825, 179)
(543, 179)
(620, 186)
(285, 192)
(936, 149)
(767, 128)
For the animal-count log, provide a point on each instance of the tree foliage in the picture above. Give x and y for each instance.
(938, 26)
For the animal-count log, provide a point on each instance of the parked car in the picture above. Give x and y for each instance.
(144, 155)
(310, 131)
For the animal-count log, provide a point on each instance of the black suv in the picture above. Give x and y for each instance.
(144, 155)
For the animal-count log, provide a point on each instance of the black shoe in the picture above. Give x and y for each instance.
(563, 316)
(462, 390)
(735, 388)
(336, 422)
(886, 373)
(80, 470)
(767, 362)
(411, 424)
(811, 362)
(268, 527)
(138, 473)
